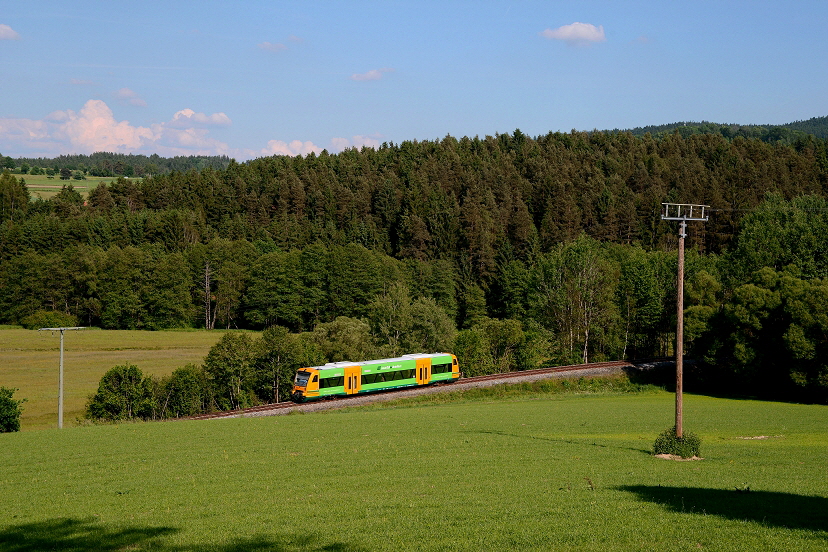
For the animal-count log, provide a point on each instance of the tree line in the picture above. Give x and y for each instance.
(787, 134)
(546, 249)
(110, 164)
(756, 319)
(473, 201)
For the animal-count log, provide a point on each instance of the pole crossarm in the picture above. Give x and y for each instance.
(684, 211)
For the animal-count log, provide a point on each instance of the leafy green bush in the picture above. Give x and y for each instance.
(186, 392)
(9, 411)
(687, 446)
(48, 319)
(123, 394)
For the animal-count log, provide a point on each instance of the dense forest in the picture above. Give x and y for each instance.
(112, 164)
(785, 134)
(512, 251)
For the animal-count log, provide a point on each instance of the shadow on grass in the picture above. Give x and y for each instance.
(79, 534)
(269, 544)
(786, 510)
(68, 534)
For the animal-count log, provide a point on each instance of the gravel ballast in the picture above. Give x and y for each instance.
(518, 377)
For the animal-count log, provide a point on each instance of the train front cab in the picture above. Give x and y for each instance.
(454, 369)
(305, 385)
(437, 369)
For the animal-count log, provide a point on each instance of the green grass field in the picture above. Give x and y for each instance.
(43, 187)
(30, 360)
(529, 472)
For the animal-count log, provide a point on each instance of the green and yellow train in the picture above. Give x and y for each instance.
(350, 378)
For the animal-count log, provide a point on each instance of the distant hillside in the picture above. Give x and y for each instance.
(115, 164)
(787, 133)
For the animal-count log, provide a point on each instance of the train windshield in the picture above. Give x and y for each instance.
(302, 378)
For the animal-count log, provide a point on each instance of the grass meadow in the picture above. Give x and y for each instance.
(527, 471)
(43, 187)
(30, 361)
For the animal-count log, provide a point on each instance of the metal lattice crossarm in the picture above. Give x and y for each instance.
(684, 211)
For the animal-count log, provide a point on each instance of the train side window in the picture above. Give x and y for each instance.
(315, 378)
(332, 382)
(377, 378)
(441, 368)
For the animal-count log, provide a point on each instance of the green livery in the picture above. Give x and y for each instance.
(348, 378)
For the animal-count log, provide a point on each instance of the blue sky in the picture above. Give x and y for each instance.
(249, 79)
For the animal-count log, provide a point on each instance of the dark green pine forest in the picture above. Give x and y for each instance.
(509, 250)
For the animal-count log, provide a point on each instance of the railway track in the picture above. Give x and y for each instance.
(614, 364)
(594, 368)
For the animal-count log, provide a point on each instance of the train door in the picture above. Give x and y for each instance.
(423, 371)
(353, 379)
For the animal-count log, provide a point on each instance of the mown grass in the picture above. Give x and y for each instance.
(617, 384)
(29, 361)
(565, 471)
(43, 187)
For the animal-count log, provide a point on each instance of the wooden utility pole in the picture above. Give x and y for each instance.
(60, 378)
(681, 212)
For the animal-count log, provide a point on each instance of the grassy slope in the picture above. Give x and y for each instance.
(540, 472)
(44, 187)
(29, 361)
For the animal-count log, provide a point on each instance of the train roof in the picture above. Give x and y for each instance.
(344, 363)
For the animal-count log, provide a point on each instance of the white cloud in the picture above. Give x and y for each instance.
(127, 96)
(576, 34)
(34, 134)
(373, 74)
(187, 141)
(7, 33)
(187, 118)
(272, 47)
(294, 148)
(358, 141)
(340, 144)
(94, 128)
